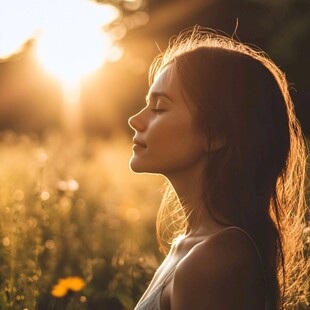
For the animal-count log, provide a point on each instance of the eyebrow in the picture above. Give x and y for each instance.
(156, 95)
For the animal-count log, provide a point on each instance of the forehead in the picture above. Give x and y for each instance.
(165, 81)
(168, 83)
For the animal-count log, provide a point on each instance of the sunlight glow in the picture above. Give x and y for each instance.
(70, 39)
(16, 26)
(73, 53)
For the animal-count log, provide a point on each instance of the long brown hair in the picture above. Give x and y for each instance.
(256, 181)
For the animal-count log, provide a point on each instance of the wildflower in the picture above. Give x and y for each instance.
(64, 285)
(59, 291)
(75, 283)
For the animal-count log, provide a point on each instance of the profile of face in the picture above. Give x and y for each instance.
(166, 141)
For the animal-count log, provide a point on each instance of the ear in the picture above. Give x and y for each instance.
(215, 144)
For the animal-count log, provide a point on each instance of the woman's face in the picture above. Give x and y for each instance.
(165, 141)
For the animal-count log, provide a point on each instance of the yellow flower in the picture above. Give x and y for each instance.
(71, 283)
(59, 291)
(75, 284)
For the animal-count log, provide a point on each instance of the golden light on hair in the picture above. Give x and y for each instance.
(287, 207)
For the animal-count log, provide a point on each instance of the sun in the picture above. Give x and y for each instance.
(72, 44)
(70, 39)
(72, 53)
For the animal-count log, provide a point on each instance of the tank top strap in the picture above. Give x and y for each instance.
(226, 228)
(252, 240)
(164, 282)
(258, 254)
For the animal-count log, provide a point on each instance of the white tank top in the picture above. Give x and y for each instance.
(152, 302)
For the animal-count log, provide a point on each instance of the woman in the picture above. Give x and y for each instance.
(220, 125)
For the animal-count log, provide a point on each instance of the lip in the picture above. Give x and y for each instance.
(137, 147)
(139, 143)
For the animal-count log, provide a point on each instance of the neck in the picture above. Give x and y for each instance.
(189, 189)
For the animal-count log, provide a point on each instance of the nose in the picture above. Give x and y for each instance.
(136, 122)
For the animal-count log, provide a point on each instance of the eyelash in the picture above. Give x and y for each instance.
(154, 110)
(157, 110)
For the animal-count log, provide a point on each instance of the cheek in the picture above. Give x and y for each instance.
(172, 145)
(169, 127)
(175, 139)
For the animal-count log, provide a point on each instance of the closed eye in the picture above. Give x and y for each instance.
(157, 110)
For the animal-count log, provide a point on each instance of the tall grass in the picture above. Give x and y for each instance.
(72, 208)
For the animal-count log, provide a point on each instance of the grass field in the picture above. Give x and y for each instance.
(77, 227)
(73, 208)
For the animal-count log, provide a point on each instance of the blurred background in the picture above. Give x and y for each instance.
(71, 74)
(45, 44)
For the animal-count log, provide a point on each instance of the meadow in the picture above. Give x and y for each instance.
(77, 227)
(72, 208)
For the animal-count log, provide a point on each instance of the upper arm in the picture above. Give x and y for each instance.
(216, 274)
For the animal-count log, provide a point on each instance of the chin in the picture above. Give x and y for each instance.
(138, 167)
(135, 167)
(136, 170)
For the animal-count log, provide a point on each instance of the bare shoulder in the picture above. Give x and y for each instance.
(222, 272)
